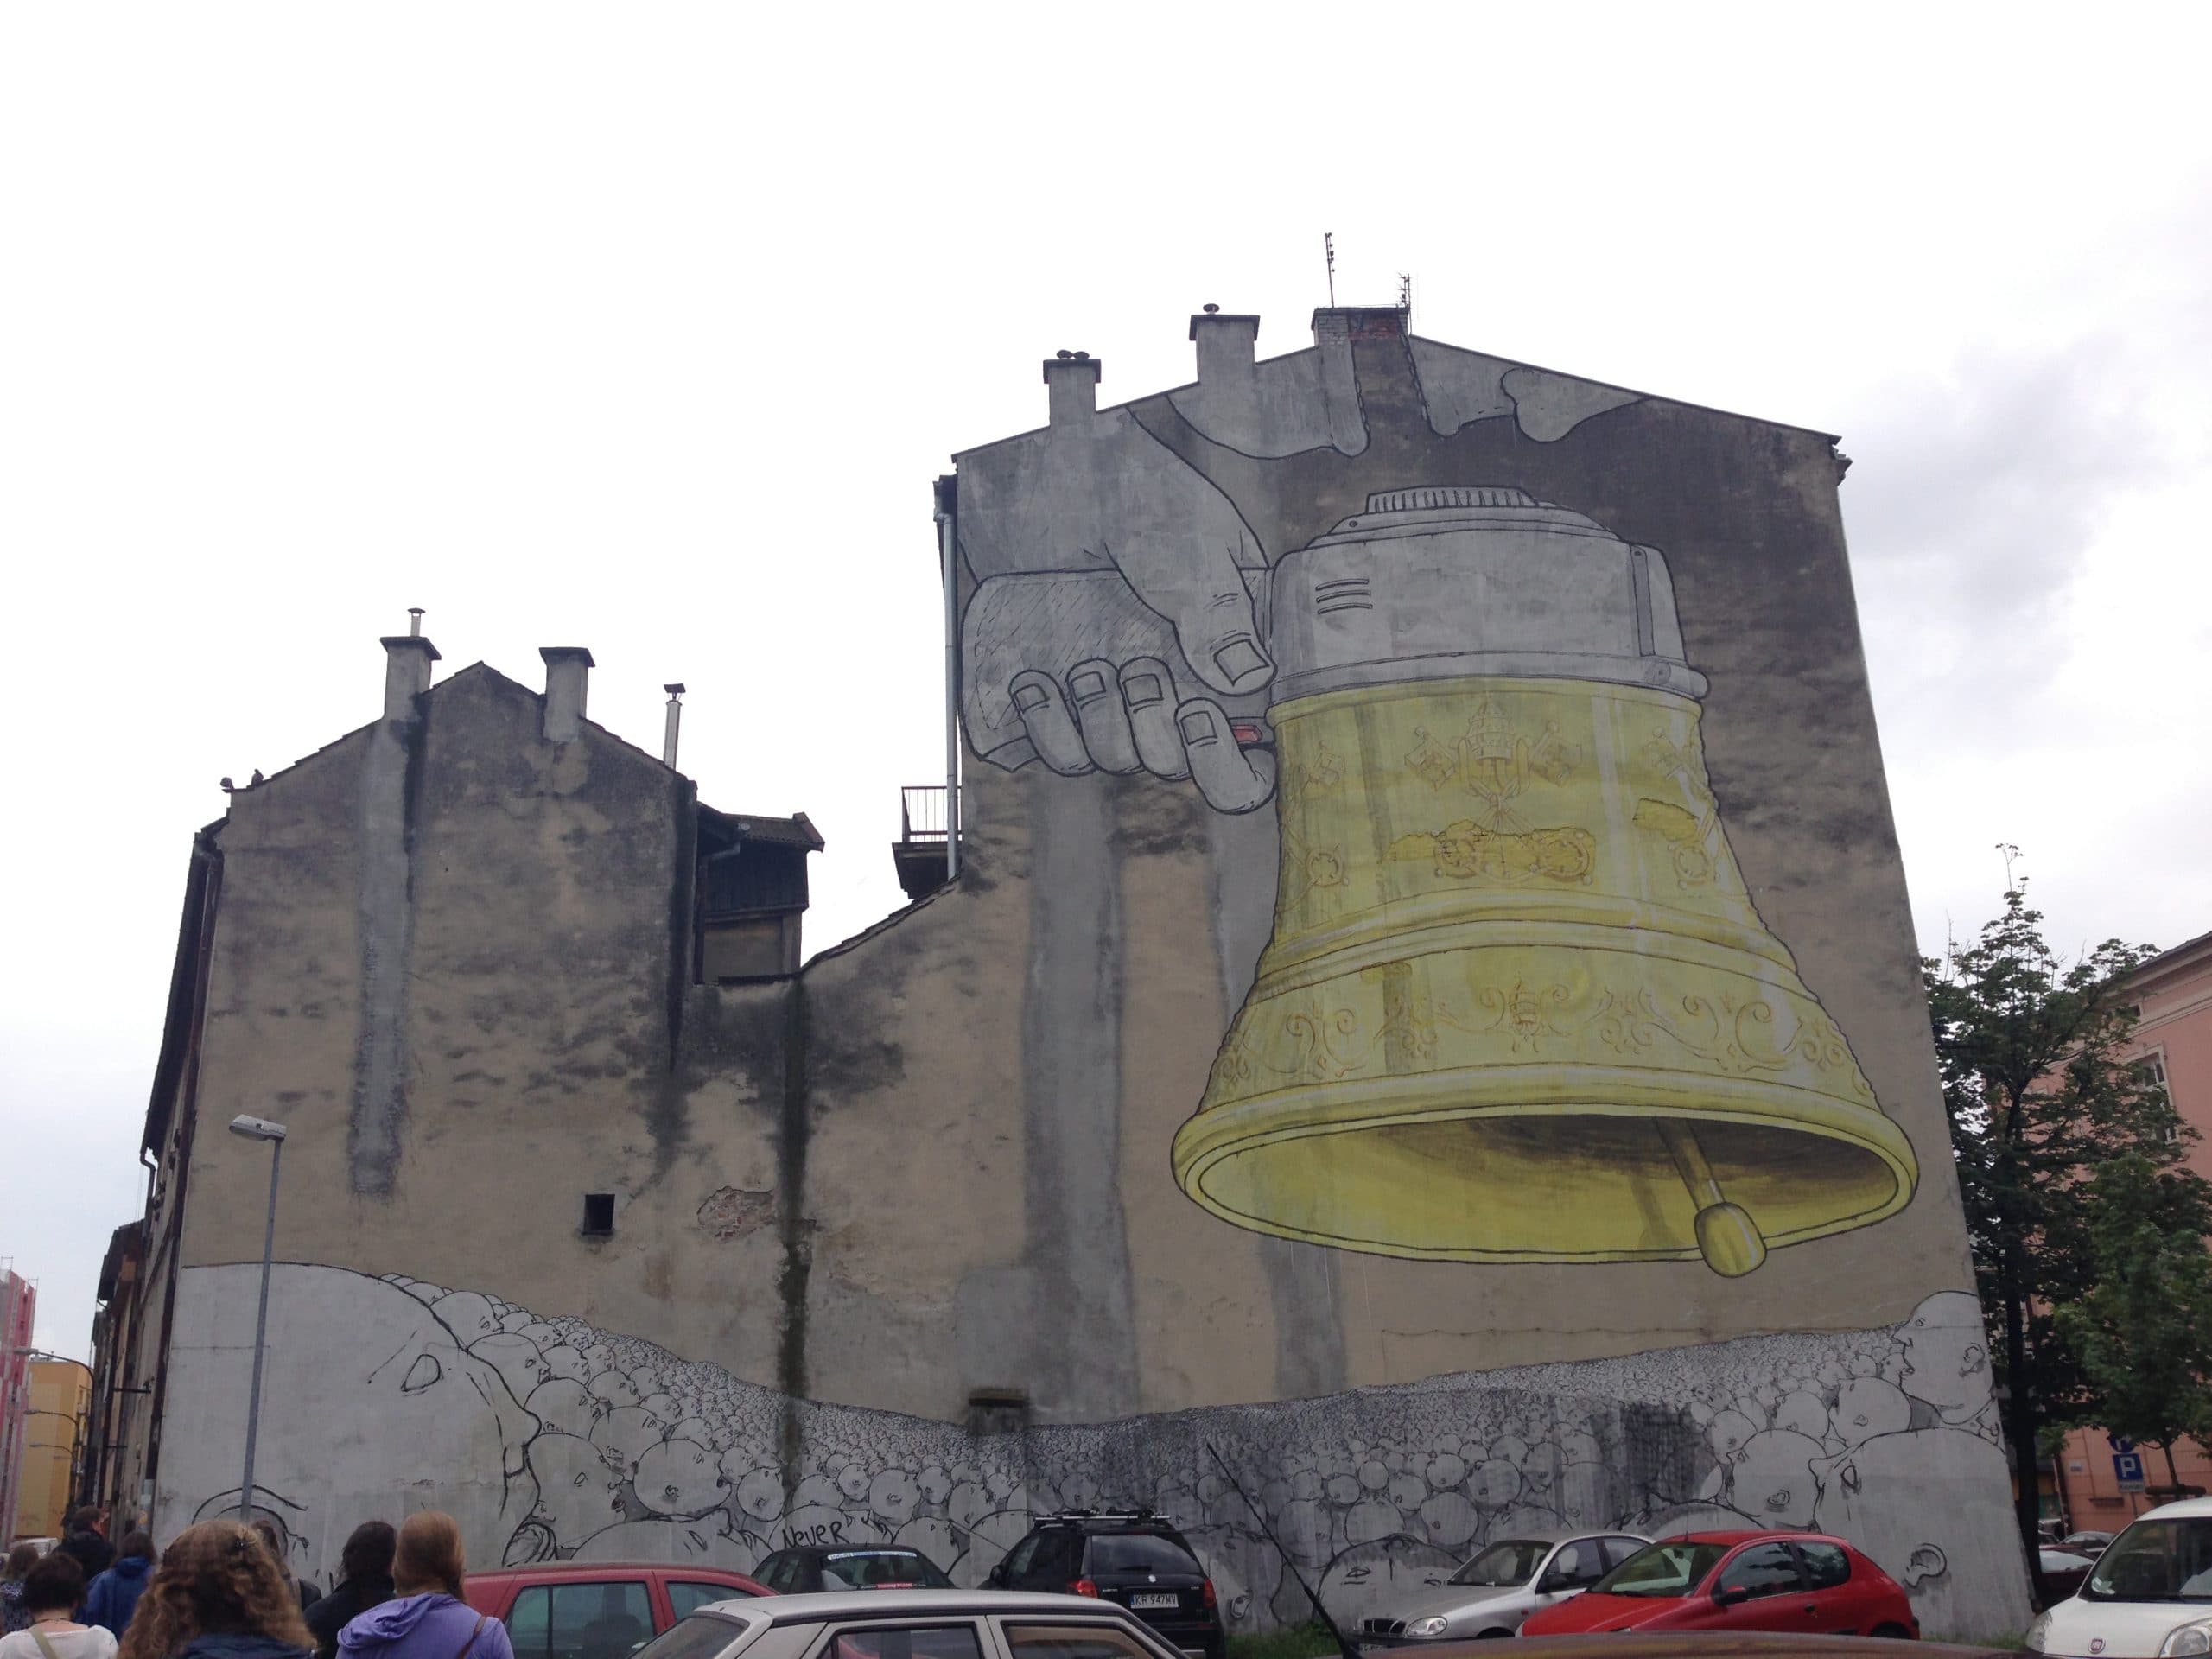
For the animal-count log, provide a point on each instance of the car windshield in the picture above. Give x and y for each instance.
(2156, 1561)
(1509, 1561)
(1138, 1552)
(865, 1569)
(1666, 1569)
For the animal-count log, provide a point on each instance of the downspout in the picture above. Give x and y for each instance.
(947, 499)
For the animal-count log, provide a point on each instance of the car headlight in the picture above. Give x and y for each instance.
(1435, 1625)
(2037, 1631)
(2184, 1640)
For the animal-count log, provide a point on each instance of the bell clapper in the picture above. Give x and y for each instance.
(1726, 1236)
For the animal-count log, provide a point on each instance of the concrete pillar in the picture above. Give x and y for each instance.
(567, 675)
(1072, 384)
(407, 659)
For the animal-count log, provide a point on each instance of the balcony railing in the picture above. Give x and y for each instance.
(922, 816)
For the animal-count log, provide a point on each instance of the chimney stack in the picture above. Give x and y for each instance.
(1226, 342)
(1072, 379)
(568, 672)
(674, 719)
(407, 659)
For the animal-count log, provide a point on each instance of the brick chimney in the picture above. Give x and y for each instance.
(567, 675)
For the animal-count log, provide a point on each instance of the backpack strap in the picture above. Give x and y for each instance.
(47, 1647)
(465, 1646)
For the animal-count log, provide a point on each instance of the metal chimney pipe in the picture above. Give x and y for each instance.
(415, 620)
(674, 719)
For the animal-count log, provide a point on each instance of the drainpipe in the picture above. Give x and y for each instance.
(947, 496)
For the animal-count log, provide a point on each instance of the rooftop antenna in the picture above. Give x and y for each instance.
(1329, 252)
(1405, 290)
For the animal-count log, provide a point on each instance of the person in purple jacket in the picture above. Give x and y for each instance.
(428, 1619)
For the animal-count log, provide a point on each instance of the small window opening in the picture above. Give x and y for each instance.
(599, 1214)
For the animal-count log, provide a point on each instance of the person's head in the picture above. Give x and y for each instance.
(368, 1551)
(140, 1544)
(56, 1584)
(427, 1555)
(216, 1578)
(86, 1518)
(21, 1559)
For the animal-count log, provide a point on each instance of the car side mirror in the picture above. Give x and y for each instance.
(1731, 1595)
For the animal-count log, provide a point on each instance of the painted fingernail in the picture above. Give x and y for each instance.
(1198, 727)
(1030, 697)
(1088, 684)
(1238, 658)
(1144, 690)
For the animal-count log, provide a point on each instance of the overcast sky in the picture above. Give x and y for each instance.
(646, 328)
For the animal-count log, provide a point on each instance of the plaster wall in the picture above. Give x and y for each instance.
(454, 956)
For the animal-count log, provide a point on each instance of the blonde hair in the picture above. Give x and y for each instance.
(218, 1576)
(429, 1556)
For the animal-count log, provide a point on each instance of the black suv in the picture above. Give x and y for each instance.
(1134, 1559)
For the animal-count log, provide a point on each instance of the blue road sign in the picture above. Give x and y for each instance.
(2128, 1465)
(2120, 1443)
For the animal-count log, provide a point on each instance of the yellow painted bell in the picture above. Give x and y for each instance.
(1518, 1005)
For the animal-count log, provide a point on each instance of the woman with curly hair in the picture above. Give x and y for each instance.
(428, 1620)
(217, 1594)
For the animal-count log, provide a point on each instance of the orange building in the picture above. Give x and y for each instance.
(2174, 1039)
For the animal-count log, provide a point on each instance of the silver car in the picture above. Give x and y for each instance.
(909, 1624)
(1501, 1586)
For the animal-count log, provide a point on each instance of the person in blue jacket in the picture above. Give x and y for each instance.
(113, 1595)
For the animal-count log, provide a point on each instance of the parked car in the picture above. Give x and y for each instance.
(913, 1624)
(1793, 1583)
(2090, 1543)
(1135, 1559)
(597, 1610)
(2149, 1595)
(1500, 1586)
(2064, 1570)
(802, 1572)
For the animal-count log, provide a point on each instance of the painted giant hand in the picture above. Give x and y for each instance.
(1518, 1005)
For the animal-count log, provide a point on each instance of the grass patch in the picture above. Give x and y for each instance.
(1296, 1642)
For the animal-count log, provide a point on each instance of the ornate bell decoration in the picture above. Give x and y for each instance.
(1518, 1005)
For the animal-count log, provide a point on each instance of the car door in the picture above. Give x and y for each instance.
(1838, 1608)
(1028, 1637)
(1759, 1588)
(1574, 1568)
(902, 1639)
(581, 1618)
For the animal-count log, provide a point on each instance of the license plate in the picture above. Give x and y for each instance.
(1139, 1603)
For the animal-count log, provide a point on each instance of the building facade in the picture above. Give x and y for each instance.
(2173, 1036)
(18, 1304)
(54, 1446)
(1426, 1043)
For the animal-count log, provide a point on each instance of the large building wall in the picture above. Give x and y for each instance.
(1594, 1151)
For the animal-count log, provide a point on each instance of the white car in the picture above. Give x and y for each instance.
(1492, 1593)
(2149, 1596)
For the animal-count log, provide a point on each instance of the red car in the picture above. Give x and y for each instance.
(597, 1610)
(1796, 1583)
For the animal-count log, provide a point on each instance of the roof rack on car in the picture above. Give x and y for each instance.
(1066, 1517)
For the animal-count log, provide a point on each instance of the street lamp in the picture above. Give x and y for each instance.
(259, 1128)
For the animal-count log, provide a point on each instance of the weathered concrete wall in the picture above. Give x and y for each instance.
(1606, 956)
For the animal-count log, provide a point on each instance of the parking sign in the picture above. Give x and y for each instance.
(2128, 1465)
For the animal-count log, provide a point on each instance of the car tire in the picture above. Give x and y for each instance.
(1893, 1632)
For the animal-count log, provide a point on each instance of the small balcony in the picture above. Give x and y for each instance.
(924, 829)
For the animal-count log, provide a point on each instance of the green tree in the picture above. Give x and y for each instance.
(2042, 1096)
(2142, 1334)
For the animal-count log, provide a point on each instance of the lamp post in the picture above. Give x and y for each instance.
(259, 1128)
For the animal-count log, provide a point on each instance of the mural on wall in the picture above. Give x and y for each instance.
(554, 1438)
(1518, 1004)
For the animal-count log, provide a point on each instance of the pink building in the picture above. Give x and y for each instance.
(18, 1297)
(2174, 1038)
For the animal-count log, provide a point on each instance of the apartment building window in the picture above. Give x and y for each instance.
(2152, 1068)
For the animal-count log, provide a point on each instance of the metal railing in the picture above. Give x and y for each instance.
(921, 812)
